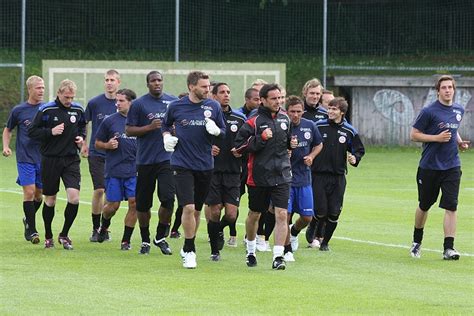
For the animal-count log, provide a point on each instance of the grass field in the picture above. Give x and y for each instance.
(368, 270)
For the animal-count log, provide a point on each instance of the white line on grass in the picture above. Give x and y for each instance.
(368, 242)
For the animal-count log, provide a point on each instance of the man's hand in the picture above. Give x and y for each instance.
(79, 141)
(7, 152)
(235, 153)
(211, 127)
(169, 142)
(308, 160)
(464, 145)
(58, 129)
(85, 151)
(215, 150)
(113, 143)
(444, 136)
(267, 133)
(155, 124)
(351, 159)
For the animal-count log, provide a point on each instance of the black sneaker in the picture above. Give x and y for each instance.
(66, 242)
(102, 234)
(251, 260)
(95, 236)
(144, 248)
(215, 257)
(175, 234)
(310, 232)
(279, 264)
(35, 239)
(220, 241)
(163, 245)
(125, 245)
(27, 230)
(324, 247)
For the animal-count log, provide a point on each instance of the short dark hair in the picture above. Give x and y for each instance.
(153, 72)
(248, 93)
(217, 85)
(340, 103)
(194, 76)
(267, 88)
(293, 100)
(128, 93)
(445, 78)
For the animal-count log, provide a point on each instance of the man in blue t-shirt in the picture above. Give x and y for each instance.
(440, 167)
(96, 111)
(120, 167)
(28, 157)
(195, 120)
(144, 120)
(301, 191)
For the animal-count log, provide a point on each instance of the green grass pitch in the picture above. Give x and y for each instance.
(368, 271)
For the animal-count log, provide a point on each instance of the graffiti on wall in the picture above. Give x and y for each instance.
(398, 108)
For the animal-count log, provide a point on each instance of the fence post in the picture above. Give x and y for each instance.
(176, 33)
(325, 40)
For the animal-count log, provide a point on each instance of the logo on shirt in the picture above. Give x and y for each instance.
(72, 119)
(458, 117)
(26, 122)
(233, 128)
(207, 113)
(283, 126)
(307, 135)
(55, 119)
(342, 139)
(152, 116)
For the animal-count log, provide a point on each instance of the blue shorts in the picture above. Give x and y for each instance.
(29, 173)
(117, 189)
(301, 201)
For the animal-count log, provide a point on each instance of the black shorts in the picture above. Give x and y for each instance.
(328, 194)
(97, 170)
(150, 176)
(225, 188)
(55, 168)
(192, 186)
(429, 183)
(259, 197)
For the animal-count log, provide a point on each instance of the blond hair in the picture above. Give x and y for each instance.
(313, 83)
(67, 85)
(32, 80)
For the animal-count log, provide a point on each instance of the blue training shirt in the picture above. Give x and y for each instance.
(432, 120)
(193, 150)
(96, 111)
(308, 137)
(142, 112)
(120, 162)
(27, 149)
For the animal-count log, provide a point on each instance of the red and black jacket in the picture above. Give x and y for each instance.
(269, 162)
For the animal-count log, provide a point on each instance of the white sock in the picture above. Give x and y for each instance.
(278, 251)
(251, 245)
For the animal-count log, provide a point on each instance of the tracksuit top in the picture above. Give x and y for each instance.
(338, 139)
(315, 113)
(268, 162)
(52, 114)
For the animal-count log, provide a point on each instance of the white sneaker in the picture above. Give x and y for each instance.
(182, 253)
(314, 244)
(189, 260)
(289, 257)
(294, 242)
(261, 244)
(232, 242)
(268, 248)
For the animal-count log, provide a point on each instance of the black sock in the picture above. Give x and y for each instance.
(127, 233)
(29, 209)
(224, 223)
(418, 235)
(448, 243)
(177, 219)
(189, 245)
(70, 214)
(293, 231)
(329, 230)
(96, 221)
(145, 233)
(288, 248)
(213, 229)
(269, 225)
(161, 231)
(37, 205)
(105, 222)
(232, 229)
(261, 224)
(48, 215)
(321, 225)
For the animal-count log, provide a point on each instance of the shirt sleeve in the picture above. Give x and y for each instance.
(12, 119)
(422, 121)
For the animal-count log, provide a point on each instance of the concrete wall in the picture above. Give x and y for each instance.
(384, 108)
